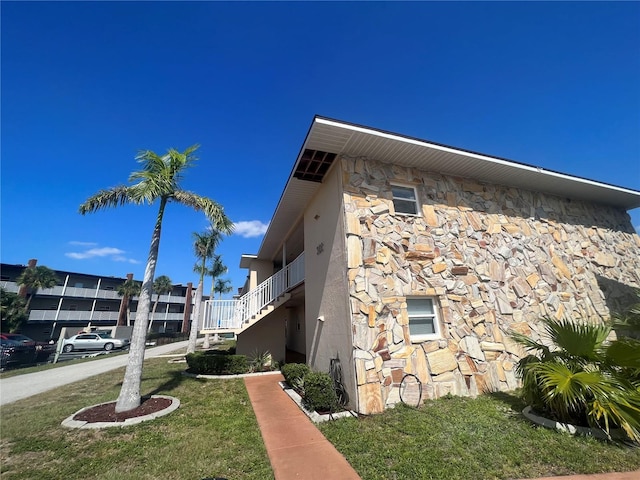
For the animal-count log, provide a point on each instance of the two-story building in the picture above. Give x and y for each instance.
(402, 259)
(82, 299)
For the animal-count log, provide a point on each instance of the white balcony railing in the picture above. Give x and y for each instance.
(233, 314)
(69, 315)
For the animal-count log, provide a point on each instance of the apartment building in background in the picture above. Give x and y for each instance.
(82, 299)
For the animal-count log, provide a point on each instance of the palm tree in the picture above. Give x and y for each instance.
(582, 377)
(223, 286)
(161, 285)
(33, 278)
(127, 291)
(159, 180)
(204, 247)
(12, 311)
(216, 269)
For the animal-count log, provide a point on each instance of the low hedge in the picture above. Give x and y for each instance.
(217, 363)
(294, 373)
(319, 392)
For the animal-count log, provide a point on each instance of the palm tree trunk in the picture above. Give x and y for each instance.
(129, 397)
(153, 312)
(26, 306)
(193, 333)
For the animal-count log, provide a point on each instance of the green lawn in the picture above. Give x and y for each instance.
(462, 438)
(214, 433)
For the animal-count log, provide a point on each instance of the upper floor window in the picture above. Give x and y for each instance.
(423, 319)
(405, 199)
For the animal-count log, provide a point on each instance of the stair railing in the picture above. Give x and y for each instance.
(233, 314)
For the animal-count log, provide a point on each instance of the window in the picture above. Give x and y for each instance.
(423, 319)
(404, 199)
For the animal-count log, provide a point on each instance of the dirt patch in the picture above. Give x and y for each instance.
(107, 412)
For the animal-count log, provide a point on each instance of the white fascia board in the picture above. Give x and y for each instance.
(494, 160)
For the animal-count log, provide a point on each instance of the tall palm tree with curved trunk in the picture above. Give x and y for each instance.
(204, 247)
(127, 290)
(34, 278)
(158, 180)
(161, 286)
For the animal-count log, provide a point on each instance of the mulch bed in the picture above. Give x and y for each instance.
(107, 411)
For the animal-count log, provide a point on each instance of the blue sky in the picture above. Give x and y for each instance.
(85, 86)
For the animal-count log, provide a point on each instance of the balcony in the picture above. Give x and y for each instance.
(71, 315)
(236, 315)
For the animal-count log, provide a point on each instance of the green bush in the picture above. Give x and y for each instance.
(294, 373)
(319, 393)
(582, 377)
(261, 361)
(215, 362)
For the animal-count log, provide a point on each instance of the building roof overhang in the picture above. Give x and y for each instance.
(338, 138)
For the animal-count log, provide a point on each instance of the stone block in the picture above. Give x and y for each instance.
(439, 267)
(441, 361)
(429, 215)
(354, 251)
(471, 346)
(370, 399)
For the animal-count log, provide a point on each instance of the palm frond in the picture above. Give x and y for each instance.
(112, 197)
(623, 356)
(212, 210)
(577, 339)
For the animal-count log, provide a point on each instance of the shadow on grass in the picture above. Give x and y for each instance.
(512, 399)
(176, 378)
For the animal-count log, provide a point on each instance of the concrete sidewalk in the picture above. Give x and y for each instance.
(296, 448)
(22, 386)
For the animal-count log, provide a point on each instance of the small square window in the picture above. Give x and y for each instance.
(404, 199)
(423, 319)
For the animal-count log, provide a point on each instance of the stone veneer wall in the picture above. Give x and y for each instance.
(496, 258)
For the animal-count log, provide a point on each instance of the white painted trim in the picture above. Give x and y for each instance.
(477, 156)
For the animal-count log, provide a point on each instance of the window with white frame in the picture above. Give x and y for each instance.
(405, 199)
(423, 319)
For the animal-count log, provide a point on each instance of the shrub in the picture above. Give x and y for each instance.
(261, 361)
(582, 377)
(215, 362)
(319, 393)
(294, 373)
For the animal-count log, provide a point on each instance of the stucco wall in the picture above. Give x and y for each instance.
(326, 284)
(266, 335)
(496, 258)
(259, 271)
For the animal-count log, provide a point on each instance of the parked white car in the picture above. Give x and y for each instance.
(94, 341)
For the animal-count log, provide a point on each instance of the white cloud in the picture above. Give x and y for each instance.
(114, 254)
(82, 244)
(253, 228)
